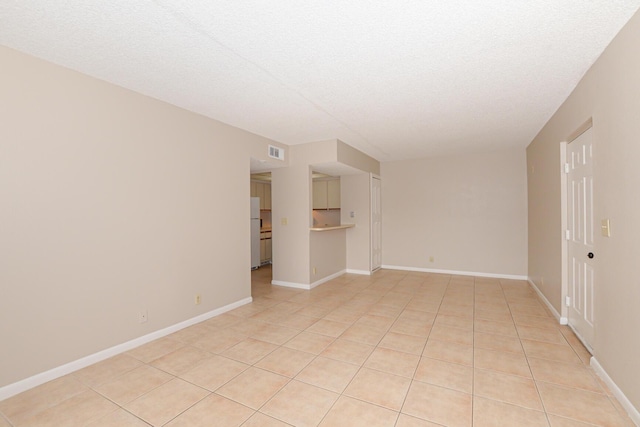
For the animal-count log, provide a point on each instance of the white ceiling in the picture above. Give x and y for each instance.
(396, 79)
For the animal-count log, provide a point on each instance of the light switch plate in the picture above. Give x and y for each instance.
(605, 227)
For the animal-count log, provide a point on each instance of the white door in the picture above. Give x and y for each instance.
(580, 222)
(376, 225)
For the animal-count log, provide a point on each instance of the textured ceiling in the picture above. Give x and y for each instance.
(401, 79)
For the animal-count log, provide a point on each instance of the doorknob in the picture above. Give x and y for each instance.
(590, 255)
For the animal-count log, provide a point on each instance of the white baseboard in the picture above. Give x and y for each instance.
(581, 338)
(562, 320)
(291, 284)
(310, 286)
(632, 411)
(43, 377)
(459, 273)
(361, 272)
(326, 279)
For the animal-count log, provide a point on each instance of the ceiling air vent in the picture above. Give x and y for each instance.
(276, 153)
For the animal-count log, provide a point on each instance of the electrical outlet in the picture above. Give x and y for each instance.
(314, 271)
(284, 221)
(142, 316)
(198, 299)
(431, 259)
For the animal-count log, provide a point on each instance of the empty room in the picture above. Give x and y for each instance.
(402, 214)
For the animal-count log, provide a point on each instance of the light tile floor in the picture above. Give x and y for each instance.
(393, 349)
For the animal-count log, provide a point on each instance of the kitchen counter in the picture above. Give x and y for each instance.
(332, 227)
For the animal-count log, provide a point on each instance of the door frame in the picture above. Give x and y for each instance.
(373, 176)
(564, 146)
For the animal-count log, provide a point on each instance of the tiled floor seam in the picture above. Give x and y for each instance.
(535, 383)
(5, 419)
(174, 376)
(473, 355)
(123, 408)
(377, 345)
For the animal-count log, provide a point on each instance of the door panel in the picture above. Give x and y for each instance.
(581, 236)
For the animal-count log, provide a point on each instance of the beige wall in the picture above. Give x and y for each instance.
(291, 191)
(355, 196)
(350, 156)
(327, 253)
(609, 94)
(295, 250)
(110, 203)
(469, 212)
(291, 203)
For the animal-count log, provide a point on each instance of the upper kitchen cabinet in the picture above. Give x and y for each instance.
(326, 193)
(320, 190)
(262, 190)
(333, 194)
(267, 197)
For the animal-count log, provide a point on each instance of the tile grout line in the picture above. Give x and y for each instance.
(354, 376)
(535, 383)
(315, 358)
(473, 353)
(340, 299)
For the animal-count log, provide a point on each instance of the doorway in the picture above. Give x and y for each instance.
(260, 188)
(580, 237)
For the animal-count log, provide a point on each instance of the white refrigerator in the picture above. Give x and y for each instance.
(255, 232)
